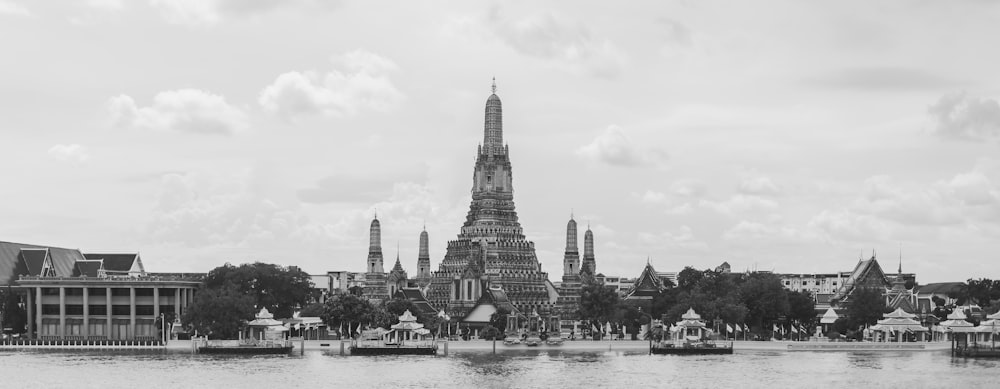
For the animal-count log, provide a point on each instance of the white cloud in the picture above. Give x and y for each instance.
(565, 44)
(614, 147)
(759, 234)
(760, 185)
(359, 82)
(739, 203)
(683, 238)
(71, 152)
(959, 116)
(106, 5)
(207, 12)
(184, 110)
(15, 9)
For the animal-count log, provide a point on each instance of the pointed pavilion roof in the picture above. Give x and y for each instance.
(956, 322)
(646, 285)
(867, 273)
(829, 317)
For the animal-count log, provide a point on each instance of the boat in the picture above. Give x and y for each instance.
(532, 330)
(690, 337)
(404, 338)
(264, 335)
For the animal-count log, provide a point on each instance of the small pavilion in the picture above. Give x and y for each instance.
(691, 328)
(264, 327)
(898, 322)
(957, 325)
(407, 330)
(990, 328)
(828, 319)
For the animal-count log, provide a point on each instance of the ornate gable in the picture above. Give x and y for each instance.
(647, 285)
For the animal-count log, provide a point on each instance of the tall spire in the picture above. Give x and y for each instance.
(493, 129)
(589, 262)
(375, 247)
(571, 259)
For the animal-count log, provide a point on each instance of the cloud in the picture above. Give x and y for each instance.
(71, 153)
(761, 185)
(359, 82)
(614, 147)
(959, 116)
(683, 239)
(106, 5)
(760, 234)
(883, 78)
(207, 12)
(739, 203)
(675, 32)
(183, 110)
(345, 189)
(566, 44)
(14, 9)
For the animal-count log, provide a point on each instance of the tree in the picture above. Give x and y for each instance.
(688, 278)
(597, 303)
(343, 309)
(397, 306)
(279, 289)
(499, 318)
(219, 313)
(313, 310)
(14, 317)
(865, 307)
(801, 307)
(764, 297)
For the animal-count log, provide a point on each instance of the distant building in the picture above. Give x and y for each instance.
(70, 295)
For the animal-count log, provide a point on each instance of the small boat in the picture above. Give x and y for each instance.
(689, 337)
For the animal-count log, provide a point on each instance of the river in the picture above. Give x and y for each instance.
(482, 369)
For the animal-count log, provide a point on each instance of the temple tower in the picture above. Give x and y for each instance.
(396, 280)
(571, 259)
(376, 287)
(375, 247)
(569, 289)
(424, 261)
(589, 265)
(491, 249)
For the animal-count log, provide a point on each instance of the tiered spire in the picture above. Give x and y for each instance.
(375, 247)
(571, 259)
(589, 265)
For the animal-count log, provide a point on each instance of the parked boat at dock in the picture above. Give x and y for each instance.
(690, 337)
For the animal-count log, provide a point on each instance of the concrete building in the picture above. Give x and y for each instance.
(69, 295)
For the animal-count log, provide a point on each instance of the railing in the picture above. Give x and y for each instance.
(80, 343)
(272, 343)
(402, 344)
(113, 278)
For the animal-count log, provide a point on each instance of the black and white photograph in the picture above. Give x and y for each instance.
(490, 194)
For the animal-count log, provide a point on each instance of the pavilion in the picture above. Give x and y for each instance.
(690, 328)
(898, 322)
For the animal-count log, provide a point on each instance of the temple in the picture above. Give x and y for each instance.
(491, 249)
(376, 286)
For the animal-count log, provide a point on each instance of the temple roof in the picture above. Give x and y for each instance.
(13, 265)
(88, 268)
(647, 284)
(867, 273)
(122, 262)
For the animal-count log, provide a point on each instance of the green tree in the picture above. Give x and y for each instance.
(688, 278)
(397, 306)
(14, 317)
(313, 310)
(865, 307)
(764, 297)
(220, 312)
(347, 312)
(597, 303)
(801, 307)
(279, 289)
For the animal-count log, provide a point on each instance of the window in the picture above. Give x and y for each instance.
(74, 309)
(97, 291)
(50, 309)
(98, 309)
(144, 292)
(120, 292)
(144, 310)
(122, 310)
(50, 291)
(74, 291)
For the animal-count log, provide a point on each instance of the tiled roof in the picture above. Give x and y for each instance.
(115, 262)
(34, 260)
(939, 288)
(11, 265)
(87, 268)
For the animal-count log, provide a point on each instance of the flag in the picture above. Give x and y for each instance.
(746, 328)
(729, 328)
(738, 329)
(794, 331)
(774, 327)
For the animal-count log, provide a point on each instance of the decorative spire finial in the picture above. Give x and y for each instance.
(376, 213)
(494, 85)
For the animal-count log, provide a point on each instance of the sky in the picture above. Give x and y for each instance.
(785, 136)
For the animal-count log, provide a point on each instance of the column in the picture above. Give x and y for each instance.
(62, 312)
(107, 304)
(131, 311)
(86, 311)
(31, 315)
(156, 301)
(177, 303)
